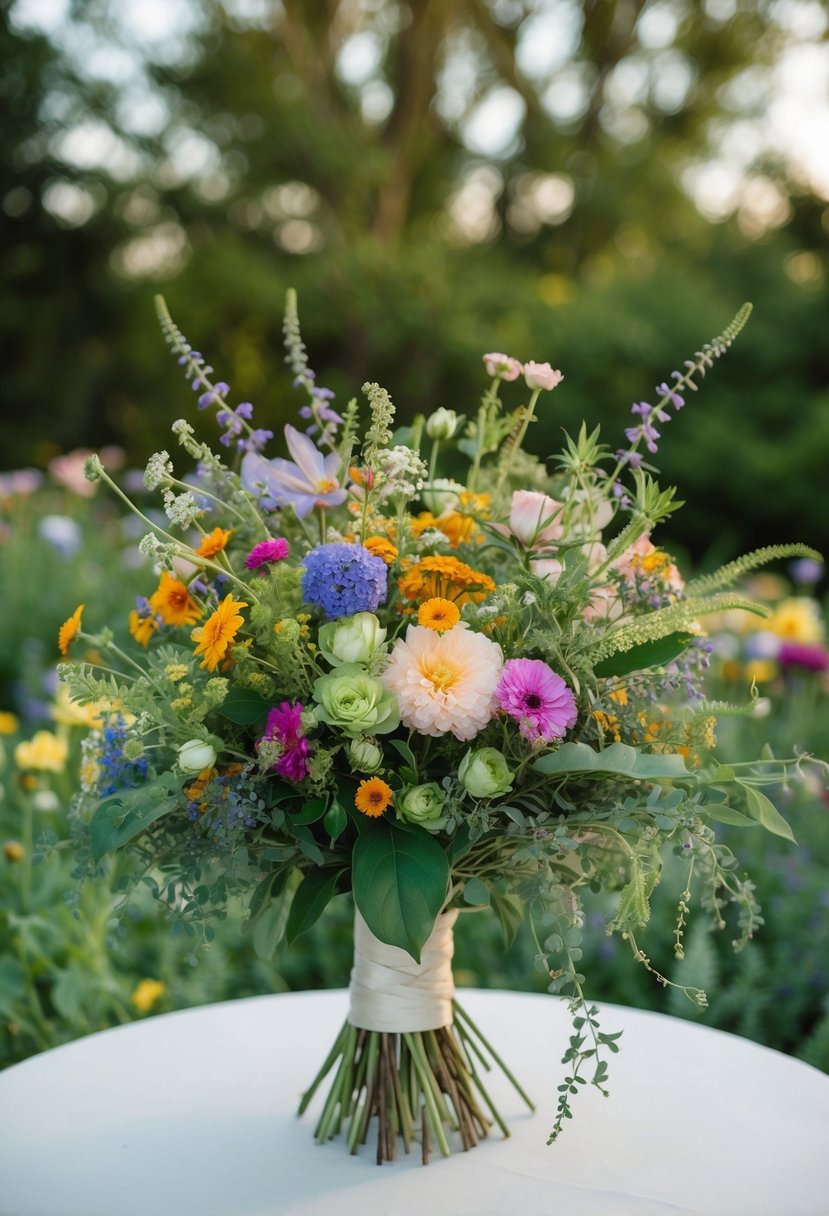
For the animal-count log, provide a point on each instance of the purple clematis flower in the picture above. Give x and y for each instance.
(307, 481)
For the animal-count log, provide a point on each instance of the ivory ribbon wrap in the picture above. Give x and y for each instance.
(391, 992)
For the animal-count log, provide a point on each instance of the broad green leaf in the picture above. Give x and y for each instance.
(405, 751)
(399, 882)
(270, 926)
(766, 813)
(657, 653)
(618, 760)
(721, 812)
(244, 707)
(120, 817)
(510, 912)
(311, 897)
(311, 812)
(335, 820)
(475, 892)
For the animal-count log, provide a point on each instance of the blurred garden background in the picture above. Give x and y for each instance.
(600, 184)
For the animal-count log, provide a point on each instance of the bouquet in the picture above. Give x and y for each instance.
(417, 665)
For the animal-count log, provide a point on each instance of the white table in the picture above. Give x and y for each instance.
(192, 1114)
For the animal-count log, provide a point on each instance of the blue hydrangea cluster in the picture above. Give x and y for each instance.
(117, 772)
(344, 579)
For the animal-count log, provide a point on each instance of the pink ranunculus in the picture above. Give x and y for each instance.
(541, 375)
(535, 518)
(502, 366)
(547, 568)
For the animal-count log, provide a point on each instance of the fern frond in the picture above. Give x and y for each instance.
(668, 620)
(729, 574)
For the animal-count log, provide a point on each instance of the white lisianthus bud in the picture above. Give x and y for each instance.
(442, 424)
(365, 755)
(352, 639)
(441, 495)
(195, 756)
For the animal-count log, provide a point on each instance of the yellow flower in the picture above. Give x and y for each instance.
(173, 602)
(372, 797)
(44, 753)
(379, 546)
(142, 628)
(146, 993)
(796, 619)
(214, 542)
(69, 630)
(446, 578)
(760, 670)
(13, 850)
(67, 712)
(219, 632)
(9, 723)
(438, 614)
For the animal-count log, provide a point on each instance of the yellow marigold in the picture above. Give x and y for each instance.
(760, 671)
(69, 630)
(44, 753)
(379, 546)
(372, 797)
(620, 696)
(797, 619)
(142, 628)
(219, 632)
(173, 602)
(146, 993)
(608, 724)
(459, 529)
(214, 542)
(9, 723)
(444, 578)
(438, 614)
(67, 712)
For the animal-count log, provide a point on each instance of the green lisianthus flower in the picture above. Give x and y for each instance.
(356, 703)
(423, 804)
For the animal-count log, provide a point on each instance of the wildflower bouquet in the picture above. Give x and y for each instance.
(440, 693)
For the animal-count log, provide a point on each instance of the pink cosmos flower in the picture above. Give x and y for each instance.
(535, 519)
(538, 699)
(275, 550)
(284, 724)
(541, 375)
(502, 366)
(307, 481)
(445, 682)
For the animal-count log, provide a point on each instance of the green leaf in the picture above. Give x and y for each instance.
(270, 927)
(510, 912)
(634, 909)
(243, 706)
(311, 897)
(721, 812)
(120, 817)
(649, 654)
(475, 892)
(405, 751)
(766, 813)
(311, 812)
(618, 760)
(399, 881)
(335, 820)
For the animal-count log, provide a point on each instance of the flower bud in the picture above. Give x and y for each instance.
(504, 367)
(352, 639)
(541, 375)
(195, 756)
(484, 773)
(422, 804)
(442, 424)
(365, 755)
(441, 495)
(535, 518)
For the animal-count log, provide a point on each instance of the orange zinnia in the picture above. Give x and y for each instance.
(69, 630)
(379, 546)
(438, 614)
(372, 797)
(173, 602)
(219, 632)
(444, 578)
(214, 542)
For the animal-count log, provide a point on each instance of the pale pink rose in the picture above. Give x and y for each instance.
(604, 605)
(502, 366)
(541, 375)
(547, 568)
(534, 518)
(596, 555)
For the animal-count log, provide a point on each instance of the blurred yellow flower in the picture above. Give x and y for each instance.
(44, 753)
(146, 993)
(9, 723)
(760, 670)
(13, 850)
(67, 712)
(69, 630)
(797, 619)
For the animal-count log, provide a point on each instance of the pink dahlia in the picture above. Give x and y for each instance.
(445, 682)
(537, 698)
(267, 551)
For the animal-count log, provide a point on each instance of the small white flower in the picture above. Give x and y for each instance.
(159, 469)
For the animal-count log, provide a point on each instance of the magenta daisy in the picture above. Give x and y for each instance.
(538, 699)
(285, 724)
(268, 551)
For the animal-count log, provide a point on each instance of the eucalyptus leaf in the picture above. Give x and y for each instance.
(765, 812)
(618, 760)
(476, 892)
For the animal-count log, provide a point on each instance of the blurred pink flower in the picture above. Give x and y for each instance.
(541, 375)
(504, 367)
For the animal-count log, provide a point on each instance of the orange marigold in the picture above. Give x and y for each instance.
(379, 546)
(438, 614)
(218, 632)
(69, 630)
(444, 578)
(173, 602)
(214, 542)
(372, 797)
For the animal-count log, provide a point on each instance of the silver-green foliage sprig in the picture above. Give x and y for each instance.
(378, 434)
(665, 621)
(731, 573)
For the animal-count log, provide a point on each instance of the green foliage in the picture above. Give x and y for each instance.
(400, 880)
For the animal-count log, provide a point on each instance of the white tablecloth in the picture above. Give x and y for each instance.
(193, 1114)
